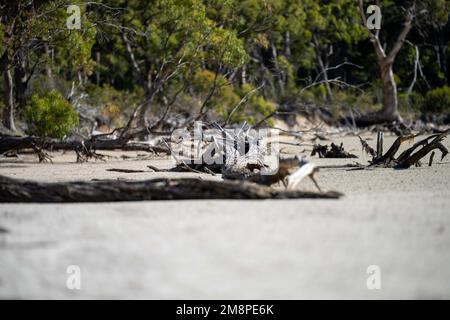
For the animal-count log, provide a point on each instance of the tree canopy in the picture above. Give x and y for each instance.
(222, 59)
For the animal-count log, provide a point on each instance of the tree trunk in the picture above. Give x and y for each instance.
(326, 81)
(244, 75)
(20, 81)
(389, 112)
(276, 66)
(48, 66)
(323, 69)
(141, 116)
(8, 111)
(151, 88)
(97, 73)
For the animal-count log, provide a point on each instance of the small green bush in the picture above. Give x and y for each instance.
(50, 116)
(437, 101)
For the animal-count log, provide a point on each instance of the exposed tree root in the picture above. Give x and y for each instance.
(12, 190)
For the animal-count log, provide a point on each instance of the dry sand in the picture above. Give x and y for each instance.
(398, 220)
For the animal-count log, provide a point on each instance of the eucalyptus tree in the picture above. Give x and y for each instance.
(164, 41)
(410, 13)
(331, 26)
(29, 29)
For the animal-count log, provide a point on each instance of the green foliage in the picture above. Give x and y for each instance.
(115, 105)
(169, 31)
(2, 32)
(410, 103)
(50, 115)
(255, 108)
(261, 108)
(437, 101)
(223, 98)
(174, 50)
(226, 98)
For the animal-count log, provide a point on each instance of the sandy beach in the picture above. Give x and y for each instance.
(398, 220)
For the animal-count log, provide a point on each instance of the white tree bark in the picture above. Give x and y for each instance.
(8, 111)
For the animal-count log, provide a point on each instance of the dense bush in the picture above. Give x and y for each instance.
(256, 108)
(410, 105)
(437, 101)
(227, 97)
(114, 105)
(50, 115)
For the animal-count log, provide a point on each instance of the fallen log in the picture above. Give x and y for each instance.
(125, 170)
(13, 190)
(10, 143)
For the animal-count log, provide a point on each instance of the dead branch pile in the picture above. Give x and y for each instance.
(332, 151)
(411, 156)
(13, 190)
(240, 155)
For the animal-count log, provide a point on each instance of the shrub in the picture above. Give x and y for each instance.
(410, 105)
(113, 104)
(227, 97)
(50, 115)
(258, 107)
(437, 101)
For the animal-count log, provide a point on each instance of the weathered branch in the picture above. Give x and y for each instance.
(402, 36)
(373, 37)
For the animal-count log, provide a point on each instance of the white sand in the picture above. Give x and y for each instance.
(398, 220)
